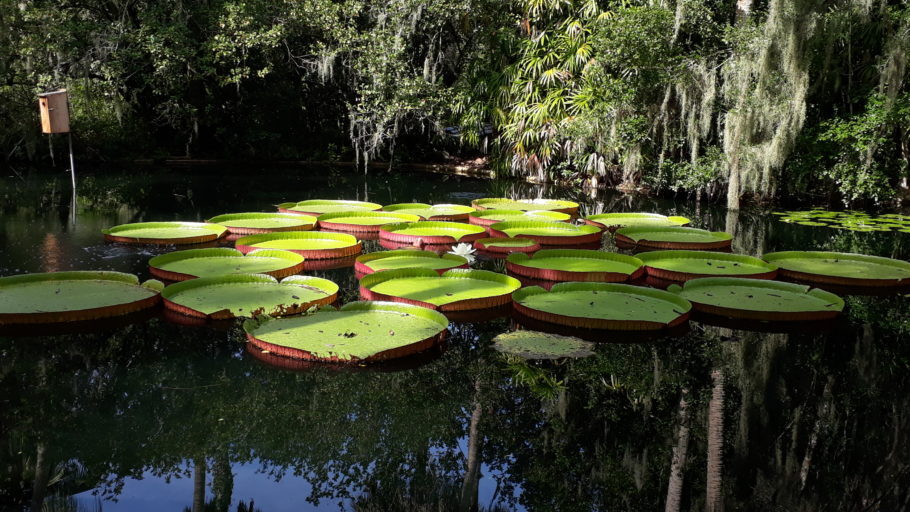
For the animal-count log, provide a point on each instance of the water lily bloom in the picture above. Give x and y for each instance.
(464, 250)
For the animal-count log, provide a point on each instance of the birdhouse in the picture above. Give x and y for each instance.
(55, 114)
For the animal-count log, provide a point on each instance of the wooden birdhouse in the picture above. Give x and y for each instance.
(55, 114)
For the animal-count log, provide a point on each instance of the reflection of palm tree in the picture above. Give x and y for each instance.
(471, 484)
(42, 473)
(713, 497)
(674, 488)
(199, 485)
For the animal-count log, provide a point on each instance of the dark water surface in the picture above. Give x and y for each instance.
(151, 416)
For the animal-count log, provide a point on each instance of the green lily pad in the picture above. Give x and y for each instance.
(849, 220)
(358, 332)
(506, 242)
(540, 345)
(501, 203)
(192, 263)
(623, 220)
(248, 295)
(257, 222)
(575, 265)
(488, 217)
(602, 306)
(685, 265)
(759, 299)
(441, 212)
(316, 207)
(405, 258)
(309, 244)
(841, 268)
(548, 233)
(363, 220)
(658, 237)
(454, 290)
(73, 296)
(165, 233)
(431, 232)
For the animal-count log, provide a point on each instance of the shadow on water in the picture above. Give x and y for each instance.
(183, 417)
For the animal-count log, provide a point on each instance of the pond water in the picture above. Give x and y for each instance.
(156, 416)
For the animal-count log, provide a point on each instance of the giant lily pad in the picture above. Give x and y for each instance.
(685, 265)
(501, 203)
(841, 268)
(454, 290)
(850, 220)
(487, 218)
(611, 306)
(165, 233)
(193, 263)
(358, 332)
(758, 299)
(309, 244)
(404, 258)
(502, 247)
(257, 222)
(614, 221)
(317, 207)
(672, 238)
(361, 223)
(540, 345)
(73, 296)
(548, 233)
(437, 212)
(575, 265)
(430, 232)
(230, 296)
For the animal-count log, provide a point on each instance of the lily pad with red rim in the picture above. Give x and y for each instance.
(454, 290)
(317, 207)
(502, 247)
(684, 265)
(575, 265)
(309, 244)
(502, 203)
(658, 237)
(230, 296)
(358, 332)
(55, 297)
(759, 299)
(165, 233)
(258, 222)
(487, 218)
(614, 221)
(548, 233)
(405, 258)
(541, 345)
(430, 232)
(193, 263)
(362, 223)
(607, 306)
(435, 212)
(841, 268)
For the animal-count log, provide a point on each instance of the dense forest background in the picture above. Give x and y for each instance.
(735, 99)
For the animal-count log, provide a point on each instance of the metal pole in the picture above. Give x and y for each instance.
(72, 161)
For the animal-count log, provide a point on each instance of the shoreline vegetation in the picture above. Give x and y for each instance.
(754, 102)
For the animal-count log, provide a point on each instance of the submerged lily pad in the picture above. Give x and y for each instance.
(406, 258)
(248, 295)
(575, 265)
(540, 345)
(488, 217)
(73, 296)
(317, 207)
(658, 237)
(440, 212)
(548, 233)
(454, 290)
(309, 244)
(502, 203)
(431, 232)
(685, 265)
(361, 222)
(357, 332)
(257, 222)
(165, 233)
(758, 299)
(613, 221)
(611, 306)
(193, 263)
(841, 268)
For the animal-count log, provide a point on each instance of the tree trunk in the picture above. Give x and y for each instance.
(714, 490)
(674, 488)
(199, 485)
(470, 485)
(42, 474)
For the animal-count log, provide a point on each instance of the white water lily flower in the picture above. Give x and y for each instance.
(464, 250)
